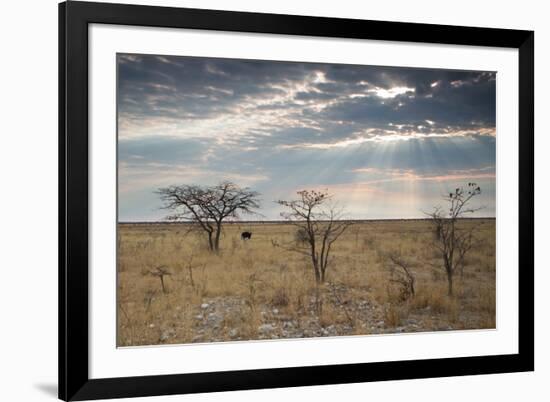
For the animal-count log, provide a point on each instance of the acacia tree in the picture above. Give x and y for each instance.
(452, 241)
(209, 207)
(319, 224)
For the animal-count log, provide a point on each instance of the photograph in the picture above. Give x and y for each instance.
(275, 200)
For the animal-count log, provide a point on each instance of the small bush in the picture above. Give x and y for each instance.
(394, 315)
(280, 298)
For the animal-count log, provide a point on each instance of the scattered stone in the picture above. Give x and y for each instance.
(167, 335)
(288, 325)
(214, 315)
(265, 328)
(151, 325)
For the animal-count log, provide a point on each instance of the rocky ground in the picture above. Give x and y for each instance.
(217, 320)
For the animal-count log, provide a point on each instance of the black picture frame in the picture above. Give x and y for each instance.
(74, 381)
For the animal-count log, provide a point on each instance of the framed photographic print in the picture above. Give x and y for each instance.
(258, 201)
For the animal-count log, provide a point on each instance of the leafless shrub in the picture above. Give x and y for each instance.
(160, 272)
(319, 224)
(402, 275)
(451, 241)
(280, 297)
(394, 314)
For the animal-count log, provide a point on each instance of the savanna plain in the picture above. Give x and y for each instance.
(383, 277)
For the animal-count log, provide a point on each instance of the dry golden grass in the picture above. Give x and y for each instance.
(255, 290)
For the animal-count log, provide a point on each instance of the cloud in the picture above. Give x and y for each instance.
(282, 126)
(186, 95)
(162, 148)
(410, 175)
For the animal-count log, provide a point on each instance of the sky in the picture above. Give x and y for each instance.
(386, 142)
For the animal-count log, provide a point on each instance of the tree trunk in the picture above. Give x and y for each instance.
(162, 283)
(210, 241)
(450, 282)
(316, 269)
(217, 239)
(317, 275)
(318, 301)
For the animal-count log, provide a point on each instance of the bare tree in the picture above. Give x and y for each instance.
(319, 225)
(451, 241)
(209, 207)
(402, 275)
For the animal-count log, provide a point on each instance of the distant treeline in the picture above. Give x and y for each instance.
(278, 222)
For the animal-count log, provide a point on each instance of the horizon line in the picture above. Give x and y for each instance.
(286, 221)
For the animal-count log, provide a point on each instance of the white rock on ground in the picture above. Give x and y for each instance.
(266, 328)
